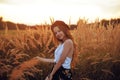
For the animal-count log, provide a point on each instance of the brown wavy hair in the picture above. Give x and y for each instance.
(66, 29)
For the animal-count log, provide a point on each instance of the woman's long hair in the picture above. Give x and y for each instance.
(65, 28)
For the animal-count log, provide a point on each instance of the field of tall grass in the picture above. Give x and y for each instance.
(98, 52)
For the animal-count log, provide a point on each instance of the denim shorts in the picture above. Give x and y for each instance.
(62, 74)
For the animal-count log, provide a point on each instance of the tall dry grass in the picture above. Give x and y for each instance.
(22, 46)
(98, 52)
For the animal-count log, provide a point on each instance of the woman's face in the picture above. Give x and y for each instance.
(58, 33)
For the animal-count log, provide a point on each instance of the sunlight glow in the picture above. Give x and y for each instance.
(40, 11)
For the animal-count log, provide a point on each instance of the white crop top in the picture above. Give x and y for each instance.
(57, 55)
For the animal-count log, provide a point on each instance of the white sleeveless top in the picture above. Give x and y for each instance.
(57, 55)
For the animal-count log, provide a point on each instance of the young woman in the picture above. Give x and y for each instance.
(63, 54)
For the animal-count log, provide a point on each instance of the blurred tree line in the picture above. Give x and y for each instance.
(11, 25)
(14, 26)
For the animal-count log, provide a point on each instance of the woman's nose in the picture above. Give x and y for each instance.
(57, 33)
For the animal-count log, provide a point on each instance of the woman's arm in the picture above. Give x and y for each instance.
(45, 59)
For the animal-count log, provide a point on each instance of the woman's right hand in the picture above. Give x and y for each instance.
(44, 59)
(39, 58)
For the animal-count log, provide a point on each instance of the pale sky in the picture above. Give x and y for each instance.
(40, 11)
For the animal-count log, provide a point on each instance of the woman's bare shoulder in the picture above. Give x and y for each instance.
(69, 42)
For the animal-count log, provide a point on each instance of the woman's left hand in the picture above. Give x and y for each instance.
(49, 77)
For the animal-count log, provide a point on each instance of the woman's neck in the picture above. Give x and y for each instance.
(65, 38)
